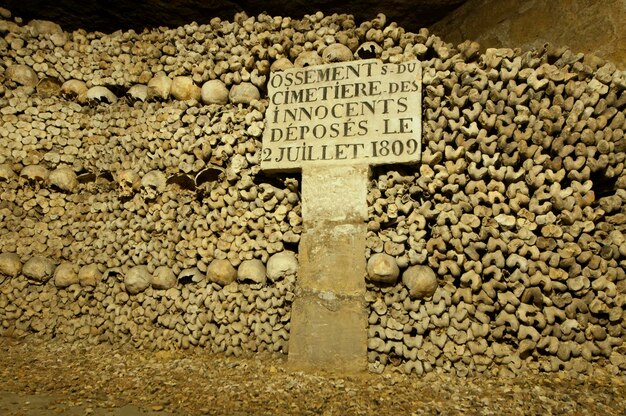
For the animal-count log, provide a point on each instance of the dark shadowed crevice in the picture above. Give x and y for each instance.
(602, 185)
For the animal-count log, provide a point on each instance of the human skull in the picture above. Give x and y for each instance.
(48, 87)
(89, 275)
(382, 268)
(64, 178)
(183, 88)
(10, 264)
(308, 58)
(21, 75)
(209, 176)
(43, 27)
(159, 87)
(281, 64)
(129, 182)
(244, 93)
(337, 52)
(190, 275)
(163, 278)
(38, 269)
(282, 264)
(6, 173)
(137, 92)
(74, 89)
(66, 274)
(183, 181)
(421, 281)
(252, 271)
(35, 174)
(100, 94)
(137, 279)
(153, 184)
(221, 271)
(214, 92)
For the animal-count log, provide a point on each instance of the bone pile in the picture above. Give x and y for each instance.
(133, 209)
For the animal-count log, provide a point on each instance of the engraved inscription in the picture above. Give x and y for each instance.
(356, 112)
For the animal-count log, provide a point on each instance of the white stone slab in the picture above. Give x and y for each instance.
(335, 193)
(359, 112)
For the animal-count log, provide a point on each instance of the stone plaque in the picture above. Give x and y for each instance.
(359, 112)
(333, 122)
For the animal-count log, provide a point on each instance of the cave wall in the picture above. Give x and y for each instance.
(127, 214)
(113, 15)
(594, 27)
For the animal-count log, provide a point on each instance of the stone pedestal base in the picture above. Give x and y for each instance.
(328, 333)
(329, 318)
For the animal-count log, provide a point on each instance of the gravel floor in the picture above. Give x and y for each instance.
(40, 378)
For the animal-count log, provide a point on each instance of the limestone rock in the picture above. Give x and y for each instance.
(337, 52)
(10, 264)
(63, 178)
(159, 87)
(421, 281)
(214, 92)
(282, 264)
(382, 268)
(220, 271)
(137, 279)
(22, 75)
(163, 278)
(89, 275)
(38, 268)
(244, 93)
(66, 274)
(252, 270)
(183, 89)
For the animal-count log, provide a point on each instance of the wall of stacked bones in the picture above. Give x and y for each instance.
(133, 209)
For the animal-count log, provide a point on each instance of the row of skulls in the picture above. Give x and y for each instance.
(130, 182)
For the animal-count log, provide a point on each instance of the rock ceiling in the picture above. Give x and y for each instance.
(111, 15)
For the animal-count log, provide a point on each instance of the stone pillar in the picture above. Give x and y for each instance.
(329, 318)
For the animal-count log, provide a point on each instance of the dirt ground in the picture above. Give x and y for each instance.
(51, 378)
